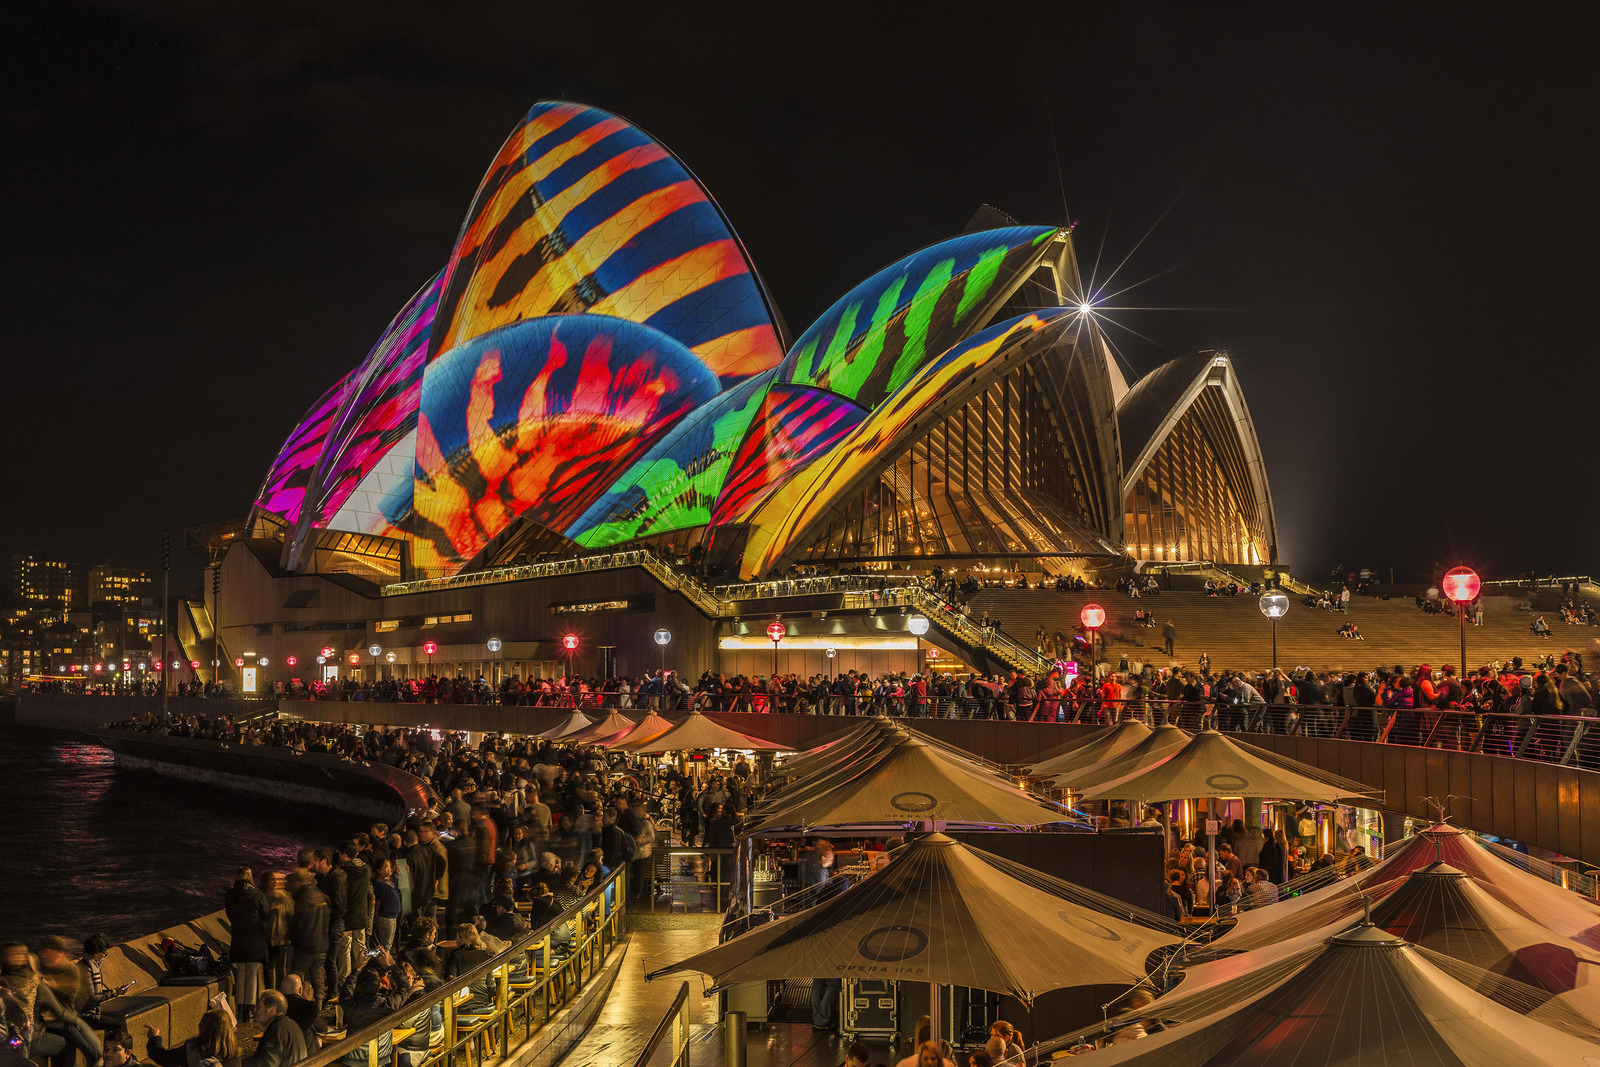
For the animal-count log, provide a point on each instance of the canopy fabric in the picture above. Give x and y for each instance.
(1443, 909)
(846, 767)
(1363, 996)
(646, 729)
(574, 723)
(938, 912)
(1152, 749)
(1101, 745)
(911, 780)
(805, 762)
(613, 724)
(1213, 765)
(699, 731)
(1261, 926)
(1558, 910)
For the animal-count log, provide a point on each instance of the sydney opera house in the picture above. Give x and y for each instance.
(598, 369)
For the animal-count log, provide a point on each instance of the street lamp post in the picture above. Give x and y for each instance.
(918, 625)
(831, 653)
(569, 645)
(1274, 605)
(494, 646)
(776, 632)
(1093, 616)
(1462, 584)
(374, 650)
(663, 639)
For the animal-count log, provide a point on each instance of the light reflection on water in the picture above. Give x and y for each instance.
(95, 850)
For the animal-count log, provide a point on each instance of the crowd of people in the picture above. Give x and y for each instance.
(522, 829)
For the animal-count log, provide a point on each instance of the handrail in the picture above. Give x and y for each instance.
(612, 890)
(677, 1014)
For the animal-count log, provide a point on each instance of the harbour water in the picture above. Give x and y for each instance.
(93, 849)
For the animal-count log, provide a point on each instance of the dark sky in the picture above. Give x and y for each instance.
(1387, 216)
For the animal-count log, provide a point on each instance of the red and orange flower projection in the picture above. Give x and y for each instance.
(535, 421)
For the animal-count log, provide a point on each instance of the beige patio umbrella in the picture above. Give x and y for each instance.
(572, 724)
(837, 767)
(911, 780)
(804, 763)
(1100, 746)
(646, 729)
(939, 913)
(1157, 746)
(1211, 764)
(698, 731)
(1362, 996)
(613, 724)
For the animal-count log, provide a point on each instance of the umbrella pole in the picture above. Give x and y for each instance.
(1211, 856)
(933, 1013)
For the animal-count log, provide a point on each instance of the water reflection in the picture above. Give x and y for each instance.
(94, 849)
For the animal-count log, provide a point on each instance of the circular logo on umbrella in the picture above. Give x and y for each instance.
(1227, 783)
(1088, 926)
(890, 944)
(914, 801)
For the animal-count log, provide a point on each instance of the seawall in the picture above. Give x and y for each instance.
(373, 791)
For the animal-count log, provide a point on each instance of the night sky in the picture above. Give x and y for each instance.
(1386, 217)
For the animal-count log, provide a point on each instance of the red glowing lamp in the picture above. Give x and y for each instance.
(291, 661)
(430, 647)
(158, 665)
(355, 657)
(570, 642)
(327, 651)
(98, 667)
(194, 665)
(1461, 584)
(238, 663)
(777, 631)
(1093, 616)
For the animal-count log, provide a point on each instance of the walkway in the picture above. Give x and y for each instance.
(634, 1007)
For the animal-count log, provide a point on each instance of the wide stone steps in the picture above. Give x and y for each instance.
(1234, 633)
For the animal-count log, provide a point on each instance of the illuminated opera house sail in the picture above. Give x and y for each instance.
(598, 363)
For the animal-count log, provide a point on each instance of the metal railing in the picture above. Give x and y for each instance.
(942, 614)
(605, 561)
(673, 1029)
(529, 987)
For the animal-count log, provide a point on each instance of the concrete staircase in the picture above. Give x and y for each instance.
(1234, 633)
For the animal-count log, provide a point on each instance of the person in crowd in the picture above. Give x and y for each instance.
(308, 933)
(250, 922)
(386, 906)
(280, 949)
(64, 991)
(1258, 889)
(297, 993)
(282, 1042)
(1004, 1042)
(216, 1039)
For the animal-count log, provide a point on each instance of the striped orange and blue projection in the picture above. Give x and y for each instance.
(536, 421)
(950, 380)
(876, 337)
(583, 212)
